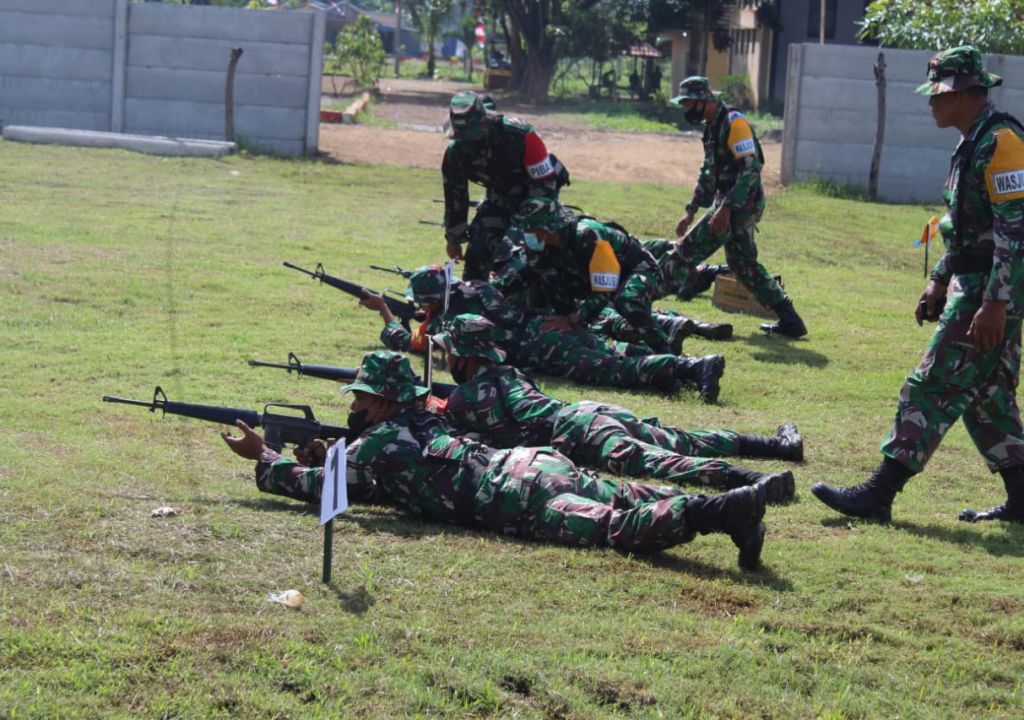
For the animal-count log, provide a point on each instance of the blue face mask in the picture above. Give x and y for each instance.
(533, 242)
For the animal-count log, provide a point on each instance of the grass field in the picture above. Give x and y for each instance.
(119, 272)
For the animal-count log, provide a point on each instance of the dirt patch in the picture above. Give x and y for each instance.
(418, 107)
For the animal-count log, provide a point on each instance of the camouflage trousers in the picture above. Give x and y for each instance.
(633, 301)
(540, 494)
(585, 358)
(486, 243)
(954, 379)
(612, 438)
(612, 325)
(740, 252)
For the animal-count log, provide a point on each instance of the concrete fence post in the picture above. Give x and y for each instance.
(791, 114)
(316, 68)
(119, 65)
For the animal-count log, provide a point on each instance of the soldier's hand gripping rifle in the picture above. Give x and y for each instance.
(279, 429)
(339, 374)
(404, 311)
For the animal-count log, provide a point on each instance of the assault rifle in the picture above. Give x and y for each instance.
(280, 430)
(404, 311)
(394, 270)
(339, 374)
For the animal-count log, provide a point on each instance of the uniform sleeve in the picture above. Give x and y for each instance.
(704, 193)
(743, 149)
(1004, 181)
(456, 196)
(396, 337)
(604, 273)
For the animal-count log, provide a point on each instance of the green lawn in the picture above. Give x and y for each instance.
(119, 272)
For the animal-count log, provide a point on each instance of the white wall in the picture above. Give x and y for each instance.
(160, 69)
(831, 115)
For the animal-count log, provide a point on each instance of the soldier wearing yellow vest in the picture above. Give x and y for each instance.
(730, 184)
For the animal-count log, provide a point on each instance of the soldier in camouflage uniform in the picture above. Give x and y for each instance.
(599, 266)
(404, 456)
(507, 157)
(580, 356)
(500, 406)
(730, 183)
(972, 365)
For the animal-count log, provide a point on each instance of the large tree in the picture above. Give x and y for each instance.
(992, 25)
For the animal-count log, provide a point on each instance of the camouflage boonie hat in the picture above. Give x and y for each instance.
(957, 69)
(470, 335)
(389, 375)
(695, 87)
(426, 285)
(543, 213)
(466, 114)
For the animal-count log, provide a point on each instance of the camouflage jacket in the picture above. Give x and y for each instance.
(731, 173)
(992, 217)
(468, 296)
(413, 462)
(512, 163)
(503, 408)
(594, 260)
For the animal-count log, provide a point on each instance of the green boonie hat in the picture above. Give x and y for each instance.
(466, 115)
(387, 374)
(470, 335)
(543, 213)
(695, 87)
(427, 284)
(957, 69)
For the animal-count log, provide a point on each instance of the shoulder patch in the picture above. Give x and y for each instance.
(1004, 175)
(604, 268)
(741, 137)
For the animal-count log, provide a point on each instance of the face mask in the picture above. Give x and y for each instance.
(533, 242)
(356, 424)
(694, 114)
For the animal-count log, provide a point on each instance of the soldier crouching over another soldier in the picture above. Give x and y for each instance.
(401, 455)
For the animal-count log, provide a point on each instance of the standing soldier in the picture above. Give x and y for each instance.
(507, 157)
(404, 456)
(730, 184)
(972, 365)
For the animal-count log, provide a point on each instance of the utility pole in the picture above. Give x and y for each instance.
(821, 25)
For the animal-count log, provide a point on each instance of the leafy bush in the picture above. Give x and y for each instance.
(359, 49)
(992, 25)
(736, 90)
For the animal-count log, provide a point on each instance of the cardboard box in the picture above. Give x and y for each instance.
(731, 296)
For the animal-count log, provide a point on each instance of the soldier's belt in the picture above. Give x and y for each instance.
(965, 264)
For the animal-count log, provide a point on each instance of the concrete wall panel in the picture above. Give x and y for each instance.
(41, 61)
(54, 118)
(43, 93)
(68, 31)
(83, 8)
(170, 117)
(208, 86)
(220, 24)
(212, 54)
(831, 107)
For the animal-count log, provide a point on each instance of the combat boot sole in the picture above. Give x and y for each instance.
(779, 488)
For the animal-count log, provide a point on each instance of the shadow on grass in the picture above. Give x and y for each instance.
(764, 577)
(356, 602)
(1011, 544)
(786, 351)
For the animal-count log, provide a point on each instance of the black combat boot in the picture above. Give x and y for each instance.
(737, 513)
(779, 488)
(790, 324)
(701, 280)
(683, 327)
(786, 444)
(871, 499)
(706, 372)
(1013, 509)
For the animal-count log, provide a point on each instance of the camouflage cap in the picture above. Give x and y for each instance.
(389, 375)
(543, 213)
(426, 285)
(466, 114)
(957, 69)
(469, 335)
(695, 87)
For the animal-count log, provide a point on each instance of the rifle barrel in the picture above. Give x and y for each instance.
(126, 401)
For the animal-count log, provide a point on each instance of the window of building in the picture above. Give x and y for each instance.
(814, 19)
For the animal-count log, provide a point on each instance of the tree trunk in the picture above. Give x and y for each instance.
(876, 151)
(539, 69)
